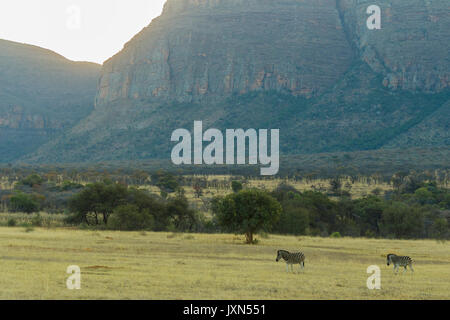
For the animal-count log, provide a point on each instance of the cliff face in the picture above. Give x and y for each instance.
(309, 67)
(41, 94)
(411, 50)
(203, 50)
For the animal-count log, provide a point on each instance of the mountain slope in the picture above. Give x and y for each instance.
(310, 68)
(41, 95)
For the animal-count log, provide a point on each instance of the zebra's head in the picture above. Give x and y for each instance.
(278, 256)
(389, 257)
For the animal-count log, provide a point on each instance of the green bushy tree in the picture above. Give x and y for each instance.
(248, 212)
(131, 218)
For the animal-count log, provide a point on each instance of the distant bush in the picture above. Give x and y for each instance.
(21, 202)
(31, 180)
(68, 185)
(402, 221)
(440, 229)
(12, 222)
(167, 182)
(335, 235)
(131, 218)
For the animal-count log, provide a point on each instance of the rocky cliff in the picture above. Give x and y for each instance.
(211, 49)
(309, 67)
(200, 49)
(410, 51)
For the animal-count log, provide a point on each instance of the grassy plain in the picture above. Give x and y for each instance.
(147, 265)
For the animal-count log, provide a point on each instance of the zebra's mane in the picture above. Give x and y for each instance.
(391, 255)
(283, 251)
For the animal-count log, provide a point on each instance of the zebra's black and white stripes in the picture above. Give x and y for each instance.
(399, 261)
(291, 259)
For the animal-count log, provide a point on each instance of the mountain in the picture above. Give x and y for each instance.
(311, 68)
(42, 94)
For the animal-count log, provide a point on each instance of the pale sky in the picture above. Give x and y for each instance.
(80, 30)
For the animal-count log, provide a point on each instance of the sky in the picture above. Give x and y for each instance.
(80, 30)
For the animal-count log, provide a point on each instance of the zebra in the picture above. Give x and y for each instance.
(402, 261)
(291, 259)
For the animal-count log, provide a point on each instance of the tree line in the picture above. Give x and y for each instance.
(414, 209)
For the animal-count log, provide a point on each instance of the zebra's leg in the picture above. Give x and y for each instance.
(404, 270)
(287, 267)
(410, 266)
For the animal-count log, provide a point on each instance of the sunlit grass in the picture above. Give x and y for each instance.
(47, 219)
(148, 265)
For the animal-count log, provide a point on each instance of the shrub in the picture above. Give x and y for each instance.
(21, 202)
(293, 219)
(335, 235)
(32, 180)
(402, 221)
(182, 217)
(440, 228)
(130, 218)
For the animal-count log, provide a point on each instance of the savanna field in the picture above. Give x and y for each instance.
(150, 265)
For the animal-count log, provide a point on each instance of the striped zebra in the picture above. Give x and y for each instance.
(291, 259)
(399, 261)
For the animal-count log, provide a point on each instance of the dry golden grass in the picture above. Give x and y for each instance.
(147, 265)
(47, 220)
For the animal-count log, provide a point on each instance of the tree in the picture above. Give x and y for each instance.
(424, 196)
(32, 180)
(131, 218)
(183, 217)
(293, 219)
(98, 198)
(248, 212)
(440, 228)
(21, 202)
(165, 181)
(402, 221)
(368, 212)
(145, 201)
